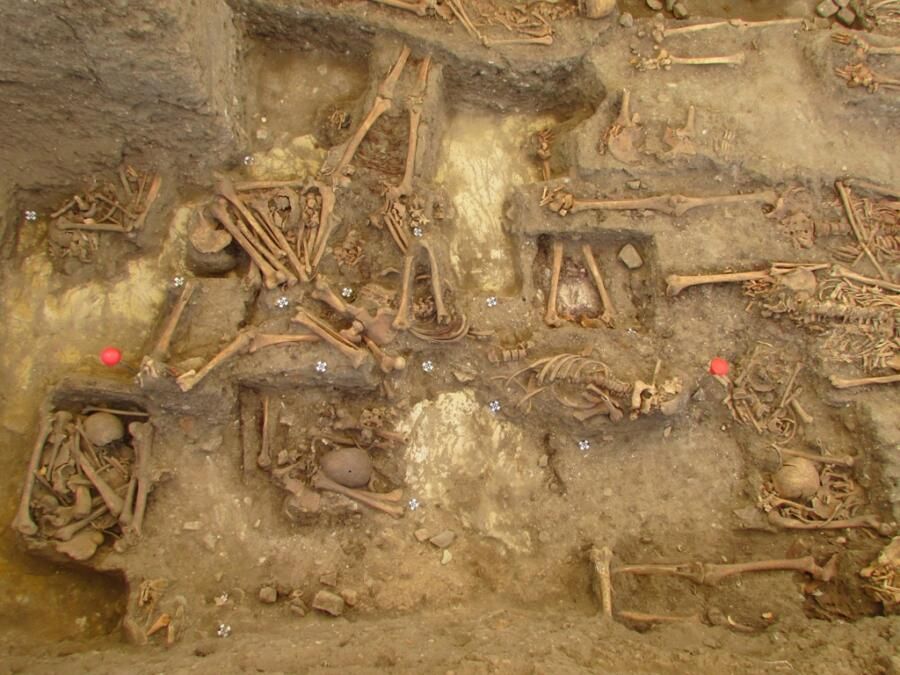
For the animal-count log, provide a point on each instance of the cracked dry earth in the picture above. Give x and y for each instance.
(496, 339)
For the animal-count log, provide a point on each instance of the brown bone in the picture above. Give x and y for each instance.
(113, 501)
(841, 383)
(711, 573)
(386, 362)
(263, 460)
(551, 318)
(70, 530)
(271, 277)
(356, 355)
(602, 559)
(383, 101)
(673, 205)
(865, 521)
(23, 522)
(608, 315)
(401, 321)
(142, 442)
(419, 7)
(370, 499)
(190, 379)
(326, 223)
(415, 117)
(443, 316)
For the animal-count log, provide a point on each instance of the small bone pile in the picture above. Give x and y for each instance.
(816, 492)
(108, 207)
(765, 394)
(87, 478)
(588, 388)
(883, 576)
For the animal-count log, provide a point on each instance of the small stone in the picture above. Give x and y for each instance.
(626, 20)
(846, 16)
(655, 5)
(192, 525)
(209, 541)
(351, 597)
(679, 11)
(634, 184)
(328, 579)
(443, 539)
(669, 5)
(328, 602)
(630, 257)
(827, 8)
(446, 557)
(421, 535)
(543, 461)
(268, 595)
(842, 3)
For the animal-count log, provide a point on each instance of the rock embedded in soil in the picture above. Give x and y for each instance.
(351, 597)
(328, 579)
(655, 5)
(443, 539)
(827, 8)
(630, 257)
(268, 595)
(421, 535)
(846, 16)
(680, 11)
(328, 602)
(103, 428)
(626, 20)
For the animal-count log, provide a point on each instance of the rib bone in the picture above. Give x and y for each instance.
(551, 318)
(608, 315)
(711, 573)
(23, 522)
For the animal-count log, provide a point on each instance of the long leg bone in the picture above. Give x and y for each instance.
(23, 522)
(268, 247)
(190, 379)
(263, 460)
(161, 349)
(551, 318)
(386, 362)
(283, 244)
(326, 223)
(821, 459)
(339, 342)
(419, 7)
(113, 501)
(865, 521)
(711, 573)
(853, 276)
(841, 383)
(443, 316)
(401, 321)
(370, 499)
(383, 101)
(608, 315)
(415, 117)
(142, 441)
(262, 340)
(674, 205)
(602, 558)
(271, 278)
(675, 283)
(540, 40)
(67, 532)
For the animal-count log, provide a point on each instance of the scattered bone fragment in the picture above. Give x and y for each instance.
(329, 603)
(861, 75)
(883, 576)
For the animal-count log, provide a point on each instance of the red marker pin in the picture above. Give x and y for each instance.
(110, 356)
(719, 366)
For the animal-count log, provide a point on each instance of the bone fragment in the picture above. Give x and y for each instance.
(190, 379)
(23, 522)
(551, 318)
(370, 499)
(841, 383)
(602, 559)
(608, 315)
(385, 361)
(112, 500)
